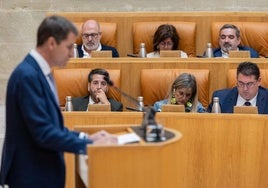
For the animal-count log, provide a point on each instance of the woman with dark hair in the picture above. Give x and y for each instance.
(166, 37)
(183, 92)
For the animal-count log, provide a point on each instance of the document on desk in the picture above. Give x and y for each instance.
(128, 138)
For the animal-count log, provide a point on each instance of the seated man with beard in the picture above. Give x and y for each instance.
(98, 81)
(91, 36)
(229, 39)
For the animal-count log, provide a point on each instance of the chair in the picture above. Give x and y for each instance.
(155, 83)
(253, 34)
(231, 78)
(143, 32)
(109, 33)
(74, 82)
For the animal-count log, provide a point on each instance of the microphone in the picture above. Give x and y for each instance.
(130, 98)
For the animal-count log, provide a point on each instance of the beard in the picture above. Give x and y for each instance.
(91, 46)
(227, 47)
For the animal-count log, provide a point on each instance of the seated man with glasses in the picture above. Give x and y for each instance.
(98, 81)
(166, 37)
(247, 92)
(229, 40)
(91, 36)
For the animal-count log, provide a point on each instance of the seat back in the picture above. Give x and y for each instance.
(156, 83)
(231, 78)
(109, 33)
(74, 82)
(143, 32)
(253, 34)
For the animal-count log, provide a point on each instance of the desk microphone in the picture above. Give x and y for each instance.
(130, 98)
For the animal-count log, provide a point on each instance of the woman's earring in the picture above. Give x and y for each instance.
(173, 99)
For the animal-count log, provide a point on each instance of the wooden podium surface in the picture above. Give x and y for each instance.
(216, 150)
(131, 165)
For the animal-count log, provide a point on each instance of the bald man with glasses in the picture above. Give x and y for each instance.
(247, 92)
(91, 36)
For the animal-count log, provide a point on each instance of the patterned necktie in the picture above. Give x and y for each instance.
(54, 90)
(247, 103)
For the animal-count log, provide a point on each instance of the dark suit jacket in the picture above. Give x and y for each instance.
(217, 52)
(81, 104)
(104, 48)
(35, 135)
(228, 98)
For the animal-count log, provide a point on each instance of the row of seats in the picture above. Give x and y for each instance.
(155, 83)
(253, 34)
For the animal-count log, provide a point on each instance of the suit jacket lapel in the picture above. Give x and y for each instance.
(261, 101)
(231, 100)
(84, 104)
(32, 61)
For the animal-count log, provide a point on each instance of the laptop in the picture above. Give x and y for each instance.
(246, 109)
(173, 108)
(99, 107)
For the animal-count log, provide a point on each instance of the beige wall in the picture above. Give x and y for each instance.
(20, 18)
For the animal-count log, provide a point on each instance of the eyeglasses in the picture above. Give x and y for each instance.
(248, 85)
(92, 35)
(163, 44)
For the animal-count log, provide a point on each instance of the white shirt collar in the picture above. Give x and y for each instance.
(43, 64)
(240, 101)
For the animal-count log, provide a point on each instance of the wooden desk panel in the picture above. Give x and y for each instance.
(217, 150)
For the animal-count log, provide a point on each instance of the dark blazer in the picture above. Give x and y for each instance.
(228, 99)
(35, 135)
(81, 104)
(253, 54)
(103, 48)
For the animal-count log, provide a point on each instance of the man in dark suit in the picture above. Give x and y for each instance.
(98, 81)
(91, 36)
(229, 39)
(248, 91)
(35, 135)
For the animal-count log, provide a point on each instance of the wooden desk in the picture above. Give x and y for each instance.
(131, 165)
(217, 150)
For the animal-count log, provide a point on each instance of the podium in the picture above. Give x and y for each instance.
(142, 164)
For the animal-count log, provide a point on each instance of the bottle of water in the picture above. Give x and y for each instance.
(68, 104)
(216, 108)
(75, 55)
(140, 104)
(209, 51)
(143, 52)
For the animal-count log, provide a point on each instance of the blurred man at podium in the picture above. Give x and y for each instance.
(35, 134)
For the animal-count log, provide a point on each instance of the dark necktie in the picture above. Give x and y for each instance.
(247, 103)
